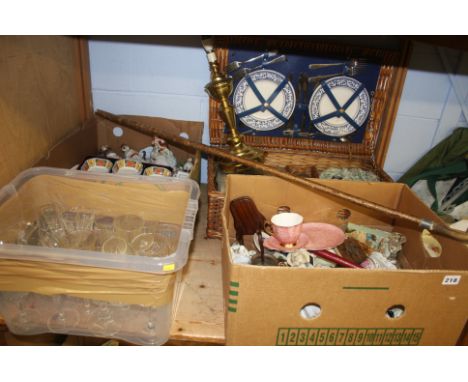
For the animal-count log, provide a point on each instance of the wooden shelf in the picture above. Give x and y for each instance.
(200, 315)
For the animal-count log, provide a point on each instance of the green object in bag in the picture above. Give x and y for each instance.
(452, 149)
(446, 161)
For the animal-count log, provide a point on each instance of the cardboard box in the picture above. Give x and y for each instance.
(263, 304)
(47, 116)
(96, 132)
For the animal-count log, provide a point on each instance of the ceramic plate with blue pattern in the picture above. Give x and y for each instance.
(339, 106)
(264, 100)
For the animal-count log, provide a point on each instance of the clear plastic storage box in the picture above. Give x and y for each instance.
(93, 254)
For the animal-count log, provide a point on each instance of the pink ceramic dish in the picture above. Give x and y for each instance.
(323, 235)
(314, 236)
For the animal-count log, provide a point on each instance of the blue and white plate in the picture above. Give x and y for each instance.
(339, 106)
(264, 100)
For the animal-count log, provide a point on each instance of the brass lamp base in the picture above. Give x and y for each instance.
(219, 88)
(240, 149)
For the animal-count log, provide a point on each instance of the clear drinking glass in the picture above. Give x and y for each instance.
(84, 219)
(50, 218)
(65, 318)
(27, 320)
(51, 229)
(104, 222)
(90, 242)
(168, 235)
(20, 233)
(142, 244)
(151, 326)
(85, 240)
(69, 220)
(102, 320)
(128, 226)
(151, 226)
(116, 245)
(76, 221)
(161, 247)
(53, 239)
(103, 228)
(169, 230)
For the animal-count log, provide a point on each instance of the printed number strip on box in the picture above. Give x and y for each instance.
(348, 336)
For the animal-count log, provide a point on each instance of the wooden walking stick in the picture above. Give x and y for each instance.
(307, 183)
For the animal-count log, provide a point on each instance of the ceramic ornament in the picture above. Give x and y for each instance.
(188, 165)
(431, 245)
(106, 151)
(163, 157)
(129, 153)
(300, 259)
(143, 155)
(378, 261)
(240, 254)
(154, 154)
(158, 142)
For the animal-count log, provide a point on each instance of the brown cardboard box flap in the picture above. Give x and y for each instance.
(42, 97)
(193, 130)
(96, 132)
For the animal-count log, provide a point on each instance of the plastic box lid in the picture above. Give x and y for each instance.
(156, 198)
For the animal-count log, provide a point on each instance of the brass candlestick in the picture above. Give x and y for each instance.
(220, 88)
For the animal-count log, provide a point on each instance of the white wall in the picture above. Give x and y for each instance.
(154, 79)
(429, 109)
(160, 79)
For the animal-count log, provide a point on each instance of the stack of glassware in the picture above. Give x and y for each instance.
(79, 228)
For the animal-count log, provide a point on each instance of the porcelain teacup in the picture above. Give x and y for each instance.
(286, 228)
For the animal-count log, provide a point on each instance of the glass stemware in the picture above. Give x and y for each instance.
(151, 328)
(27, 319)
(103, 321)
(65, 318)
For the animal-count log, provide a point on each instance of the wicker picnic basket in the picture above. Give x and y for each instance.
(316, 155)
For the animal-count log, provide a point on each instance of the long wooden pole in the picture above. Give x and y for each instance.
(308, 183)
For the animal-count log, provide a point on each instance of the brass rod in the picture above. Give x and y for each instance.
(308, 183)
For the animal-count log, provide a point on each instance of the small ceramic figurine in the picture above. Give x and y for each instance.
(161, 155)
(106, 151)
(188, 165)
(143, 156)
(156, 145)
(154, 154)
(158, 142)
(130, 153)
(240, 254)
(299, 258)
(431, 245)
(376, 260)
